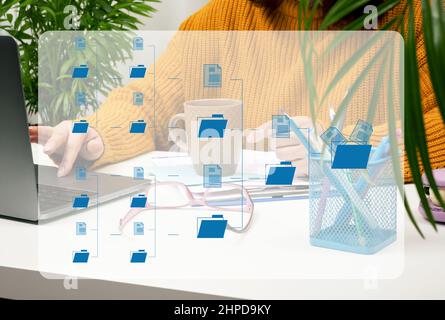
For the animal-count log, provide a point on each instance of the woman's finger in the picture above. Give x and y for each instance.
(92, 149)
(301, 168)
(40, 134)
(72, 149)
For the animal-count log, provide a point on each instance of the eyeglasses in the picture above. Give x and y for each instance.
(229, 198)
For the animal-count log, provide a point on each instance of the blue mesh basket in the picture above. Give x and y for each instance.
(366, 227)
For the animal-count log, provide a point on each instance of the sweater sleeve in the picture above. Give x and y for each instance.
(162, 98)
(113, 118)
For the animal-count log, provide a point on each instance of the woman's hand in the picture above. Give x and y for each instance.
(286, 149)
(63, 147)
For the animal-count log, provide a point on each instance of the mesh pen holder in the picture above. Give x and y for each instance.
(352, 210)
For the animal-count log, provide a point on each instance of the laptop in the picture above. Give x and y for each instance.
(23, 195)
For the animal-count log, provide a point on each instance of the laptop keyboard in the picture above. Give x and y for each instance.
(51, 197)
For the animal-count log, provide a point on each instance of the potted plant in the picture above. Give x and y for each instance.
(27, 20)
(433, 20)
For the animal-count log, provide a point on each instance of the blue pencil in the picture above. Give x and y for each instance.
(343, 185)
(362, 185)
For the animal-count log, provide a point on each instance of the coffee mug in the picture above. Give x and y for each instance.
(223, 150)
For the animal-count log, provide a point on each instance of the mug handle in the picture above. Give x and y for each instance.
(173, 134)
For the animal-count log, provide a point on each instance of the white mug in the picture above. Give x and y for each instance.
(224, 151)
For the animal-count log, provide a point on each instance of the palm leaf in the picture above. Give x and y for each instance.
(356, 84)
(415, 141)
(395, 156)
(355, 57)
(340, 10)
(434, 24)
(381, 9)
(434, 36)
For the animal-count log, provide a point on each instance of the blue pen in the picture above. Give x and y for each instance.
(299, 134)
(341, 183)
(326, 186)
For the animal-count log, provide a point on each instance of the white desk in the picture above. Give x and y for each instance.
(279, 231)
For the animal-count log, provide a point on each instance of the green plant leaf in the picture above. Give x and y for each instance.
(27, 20)
(356, 56)
(356, 84)
(435, 46)
(395, 156)
(340, 10)
(434, 38)
(373, 102)
(381, 9)
(307, 53)
(415, 142)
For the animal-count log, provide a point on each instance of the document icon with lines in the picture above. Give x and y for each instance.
(280, 126)
(81, 228)
(212, 76)
(138, 173)
(138, 228)
(212, 176)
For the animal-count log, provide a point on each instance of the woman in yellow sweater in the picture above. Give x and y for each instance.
(105, 145)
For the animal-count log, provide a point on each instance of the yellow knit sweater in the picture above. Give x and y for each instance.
(117, 111)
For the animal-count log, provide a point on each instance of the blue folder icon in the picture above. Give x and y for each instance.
(214, 227)
(138, 71)
(138, 256)
(351, 156)
(80, 72)
(138, 126)
(81, 256)
(80, 126)
(139, 201)
(282, 174)
(81, 202)
(212, 127)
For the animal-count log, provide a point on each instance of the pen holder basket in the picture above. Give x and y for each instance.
(352, 210)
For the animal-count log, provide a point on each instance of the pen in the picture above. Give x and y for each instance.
(358, 222)
(299, 134)
(325, 189)
(339, 180)
(375, 171)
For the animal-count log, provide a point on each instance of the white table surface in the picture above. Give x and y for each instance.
(414, 271)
